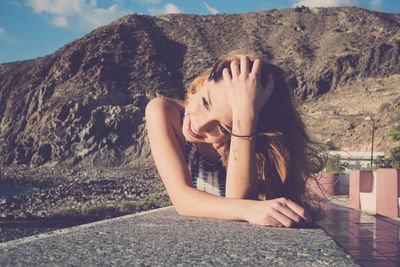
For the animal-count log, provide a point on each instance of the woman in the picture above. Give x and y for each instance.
(236, 149)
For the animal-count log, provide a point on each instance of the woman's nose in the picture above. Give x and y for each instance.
(202, 124)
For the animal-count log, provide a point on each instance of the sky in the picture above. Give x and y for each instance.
(35, 28)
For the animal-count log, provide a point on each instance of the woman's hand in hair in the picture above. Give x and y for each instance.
(280, 212)
(244, 90)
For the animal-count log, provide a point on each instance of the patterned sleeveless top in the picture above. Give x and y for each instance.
(206, 176)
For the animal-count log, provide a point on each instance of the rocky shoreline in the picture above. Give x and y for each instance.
(72, 196)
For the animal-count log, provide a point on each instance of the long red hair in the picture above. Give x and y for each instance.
(286, 157)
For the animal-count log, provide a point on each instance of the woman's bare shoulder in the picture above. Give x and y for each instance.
(172, 108)
(164, 122)
(164, 115)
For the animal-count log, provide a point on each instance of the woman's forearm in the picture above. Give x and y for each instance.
(193, 202)
(241, 181)
(276, 212)
(246, 96)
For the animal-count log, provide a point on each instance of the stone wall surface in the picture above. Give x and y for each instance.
(163, 238)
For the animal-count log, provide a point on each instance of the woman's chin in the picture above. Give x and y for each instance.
(190, 138)
(187, 135)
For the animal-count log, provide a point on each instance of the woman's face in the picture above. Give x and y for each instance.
(208, 116)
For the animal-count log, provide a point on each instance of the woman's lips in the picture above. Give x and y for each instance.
(192, 133)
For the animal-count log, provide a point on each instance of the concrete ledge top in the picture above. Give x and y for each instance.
(162, 237)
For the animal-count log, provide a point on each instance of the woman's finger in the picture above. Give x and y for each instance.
(273, 222)
(289, 213)
(244, 66)
(300, 211)
(226, 75)
(256, 69)
(235, 68)
(282, 218)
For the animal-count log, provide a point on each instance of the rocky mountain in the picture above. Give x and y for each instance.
(84, 104)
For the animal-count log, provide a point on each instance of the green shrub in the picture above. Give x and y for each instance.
(371, 168)
(395, 133)
(334, 165)
(382, 162)
(126, 206)
(329, 145)
(392, 162)
(153, 201)
(102, 210)
(395, 157)
(67, 212)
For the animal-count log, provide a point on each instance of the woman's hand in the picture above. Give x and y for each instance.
(245, 93)
(280, 212)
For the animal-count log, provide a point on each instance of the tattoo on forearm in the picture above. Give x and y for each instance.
(234, 156)
(233, 151)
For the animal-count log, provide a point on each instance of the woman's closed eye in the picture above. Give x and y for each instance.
(223, 130)
(205, 103)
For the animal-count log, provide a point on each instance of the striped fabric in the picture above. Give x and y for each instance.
(206, 176)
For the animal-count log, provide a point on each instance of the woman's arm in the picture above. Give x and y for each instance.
(168, 155)
(246, 97)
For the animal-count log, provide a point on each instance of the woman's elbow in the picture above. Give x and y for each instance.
(182, 200)
(182, 208)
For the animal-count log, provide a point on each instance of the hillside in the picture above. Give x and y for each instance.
(84, 104)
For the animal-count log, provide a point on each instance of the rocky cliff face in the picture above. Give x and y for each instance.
(84, 104)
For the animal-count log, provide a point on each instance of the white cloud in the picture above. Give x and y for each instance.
(212, 10)
(167, 9)
(372, 4)
(147, 2)
(325, 3)
(100, 16)
(76, 13)
(376, 5)
(5, 36)
(171, 8)
(59, 21)
(60, 7)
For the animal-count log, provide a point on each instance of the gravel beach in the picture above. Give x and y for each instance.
(72, 196)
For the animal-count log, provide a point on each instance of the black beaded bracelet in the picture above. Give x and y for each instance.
(246, 137)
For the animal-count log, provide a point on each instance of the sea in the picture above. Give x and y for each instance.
(10, 191)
